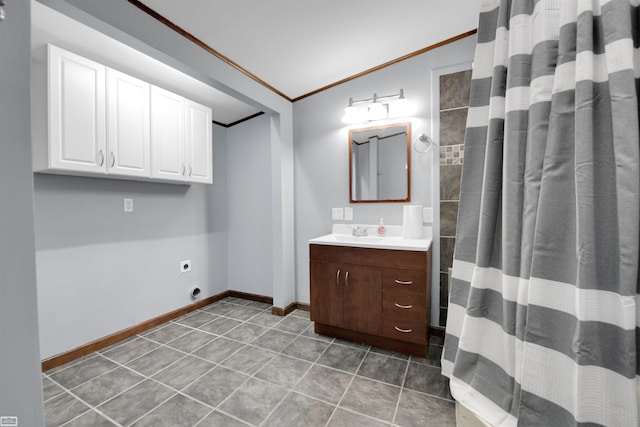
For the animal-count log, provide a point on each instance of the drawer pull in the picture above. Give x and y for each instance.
(404, 331)
(338, 277)
(400, 282)
(403, 306)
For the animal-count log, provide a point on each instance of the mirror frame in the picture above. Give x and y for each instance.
(350, 141)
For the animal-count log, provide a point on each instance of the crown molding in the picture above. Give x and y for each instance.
(203, 45)
(387, 64)
(139, 4)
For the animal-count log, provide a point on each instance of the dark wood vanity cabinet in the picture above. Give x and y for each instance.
(375, 296)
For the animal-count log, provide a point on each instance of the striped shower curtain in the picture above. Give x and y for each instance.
(544, 308)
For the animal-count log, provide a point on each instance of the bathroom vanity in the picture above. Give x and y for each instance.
(372, 290)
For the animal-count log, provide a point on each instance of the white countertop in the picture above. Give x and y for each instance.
(341, 236)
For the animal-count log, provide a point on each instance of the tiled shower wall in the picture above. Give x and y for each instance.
(454, 104)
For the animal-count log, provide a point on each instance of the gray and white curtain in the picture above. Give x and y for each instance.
(544, 309)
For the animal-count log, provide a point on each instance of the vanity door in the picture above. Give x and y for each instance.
(347, 296)
(362, 298)
(327, 294)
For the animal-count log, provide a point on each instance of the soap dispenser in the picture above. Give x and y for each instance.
(381, 230)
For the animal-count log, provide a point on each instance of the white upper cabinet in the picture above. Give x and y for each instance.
(128, 125)
(76, 108)
(167, 135)
(198, 143)
(181, 141)
(101, 122)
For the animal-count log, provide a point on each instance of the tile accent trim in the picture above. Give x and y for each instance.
(452, 155)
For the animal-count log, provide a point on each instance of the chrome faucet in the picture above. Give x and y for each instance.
(359, 231)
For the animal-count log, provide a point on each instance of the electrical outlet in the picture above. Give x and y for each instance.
(185, 266)
(337, 214)
(348, 214)
(427, 215)
(128, 205)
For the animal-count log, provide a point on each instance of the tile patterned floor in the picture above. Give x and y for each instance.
(233, 363)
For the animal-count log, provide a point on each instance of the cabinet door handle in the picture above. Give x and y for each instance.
(403, 306)
(184, 169)
(404, 331)
(400, 282)
(346, 278)
(338, 277)
(190, 169)
(101, 158)
(113, 159)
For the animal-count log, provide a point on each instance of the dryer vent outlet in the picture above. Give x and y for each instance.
(194, 293)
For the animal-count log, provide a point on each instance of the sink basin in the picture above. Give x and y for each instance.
(356, 239)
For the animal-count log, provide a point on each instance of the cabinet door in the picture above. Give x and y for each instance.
(198, 143)
(362, 299)
(128, 125)
(327, 289)
(76, 105)
(167, 135)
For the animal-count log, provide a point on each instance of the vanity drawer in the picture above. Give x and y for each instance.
(408, 306)
(405, 330)
(402, 282)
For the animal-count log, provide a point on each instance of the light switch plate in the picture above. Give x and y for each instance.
(348, 214)
(128, 205)
(337, 214)
(427, 215)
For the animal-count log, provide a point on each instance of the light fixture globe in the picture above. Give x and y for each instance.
(376, 110)
(352, 114)
(401, 107)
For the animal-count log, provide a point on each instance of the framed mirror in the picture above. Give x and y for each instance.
(380, 164)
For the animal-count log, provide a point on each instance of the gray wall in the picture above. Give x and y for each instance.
(101, 270)
(249, 196)
(321, 153)
(20, 381)
(134, 27)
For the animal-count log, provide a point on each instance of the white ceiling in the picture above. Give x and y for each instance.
(299, 46)
(295, 46)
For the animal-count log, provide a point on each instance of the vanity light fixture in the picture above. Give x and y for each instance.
(379, 108)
